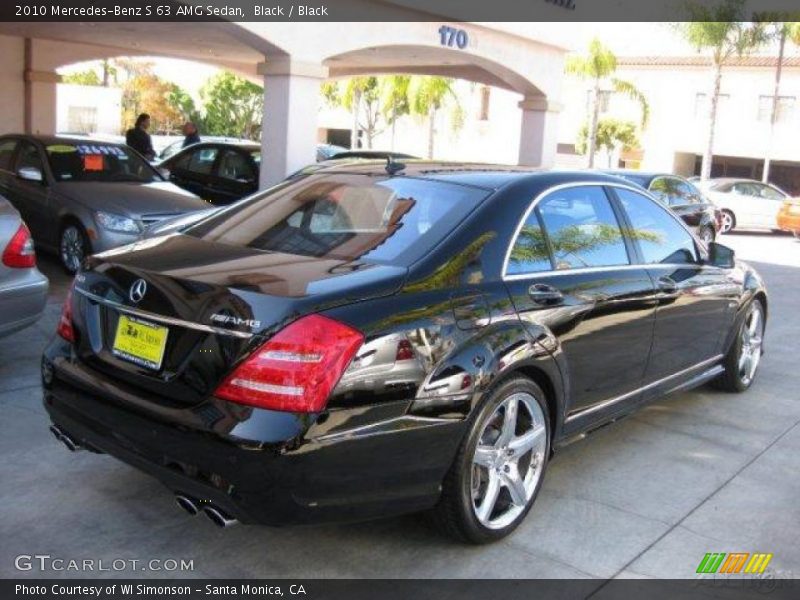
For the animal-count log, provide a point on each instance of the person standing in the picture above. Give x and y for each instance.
(191, 133)
(137, 137)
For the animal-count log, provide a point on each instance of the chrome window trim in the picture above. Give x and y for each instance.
(606, 403)
(613, 184)
(161, 318)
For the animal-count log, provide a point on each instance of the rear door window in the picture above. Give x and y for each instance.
(202, 160)
(236, 166)
(346, 216)
(582, 229)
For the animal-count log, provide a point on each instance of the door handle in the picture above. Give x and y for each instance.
(667, 285)
(541, 293)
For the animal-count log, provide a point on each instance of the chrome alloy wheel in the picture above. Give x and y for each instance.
(727, 222)
(752, 339)
(71, 248)
(508, 460)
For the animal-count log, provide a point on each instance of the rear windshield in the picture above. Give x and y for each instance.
(345, 216)
(98, 162)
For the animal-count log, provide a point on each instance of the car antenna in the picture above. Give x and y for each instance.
(393, 167)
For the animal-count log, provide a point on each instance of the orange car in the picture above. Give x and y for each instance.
(789, 216)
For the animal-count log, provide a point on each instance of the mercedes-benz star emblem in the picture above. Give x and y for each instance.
(138, 290)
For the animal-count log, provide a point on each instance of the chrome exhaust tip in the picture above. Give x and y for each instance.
(218, 517)
(187, 504)
(65, 438)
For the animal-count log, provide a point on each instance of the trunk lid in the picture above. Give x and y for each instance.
(215, 301)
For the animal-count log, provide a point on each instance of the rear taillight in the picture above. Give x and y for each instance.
(65, 328)
(19, 253)
(297, 369)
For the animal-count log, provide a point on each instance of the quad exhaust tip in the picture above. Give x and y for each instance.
(216, 515)
(63, 437)
(219, 517)
(187, 504)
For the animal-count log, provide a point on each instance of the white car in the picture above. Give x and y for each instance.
(745, 203)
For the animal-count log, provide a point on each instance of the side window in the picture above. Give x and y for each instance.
(668, 191)
(582, 229)
(579, 228)
(770, 193)
(29, 157)
(202, 160)
(7, 153)
(235, 165)
(661, 238)
(530, 253)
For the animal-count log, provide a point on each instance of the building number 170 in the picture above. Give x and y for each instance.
(450, 36)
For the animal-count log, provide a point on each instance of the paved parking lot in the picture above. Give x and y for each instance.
(648, 497)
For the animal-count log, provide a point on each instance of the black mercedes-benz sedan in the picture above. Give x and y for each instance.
(682, 197)
(366, 341)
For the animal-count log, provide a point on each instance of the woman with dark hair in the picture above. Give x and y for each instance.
(138, 138)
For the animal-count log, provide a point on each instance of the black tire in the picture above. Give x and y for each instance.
(455, 514)
(72, 238)
(733, 379)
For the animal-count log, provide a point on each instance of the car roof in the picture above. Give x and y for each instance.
(485, 176)
(246, 145)
(62, 139)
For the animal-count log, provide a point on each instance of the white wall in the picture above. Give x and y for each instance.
(106, 102)
(675, 128)
(12, 85)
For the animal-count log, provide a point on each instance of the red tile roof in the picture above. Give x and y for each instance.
(704, 61)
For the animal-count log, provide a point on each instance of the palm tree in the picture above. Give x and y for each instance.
(427, 95)
(781, 31)
(599, 65)
(394, 91)
(721, 30)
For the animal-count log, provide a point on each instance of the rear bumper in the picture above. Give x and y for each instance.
(295, 481)
(23, 300)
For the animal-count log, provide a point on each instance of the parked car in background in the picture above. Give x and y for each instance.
(219, 172)
(789, 217)
(23, 289)
(682, 197)
(745, 203)
(326, 151)
(363, 342)
(372, 155)
(176, 224)
(80, 197)
(174, 147)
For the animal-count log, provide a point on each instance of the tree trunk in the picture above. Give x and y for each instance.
(708, 156)
(105, 73)
(354, 131)
(593, 123)
(773, 115)
(431, 130)
(394, 122)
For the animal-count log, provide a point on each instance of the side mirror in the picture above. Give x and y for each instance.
(721, 256)
(30, 174)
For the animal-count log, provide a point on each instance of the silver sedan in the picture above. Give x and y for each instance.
(82, 196)
(23, 289)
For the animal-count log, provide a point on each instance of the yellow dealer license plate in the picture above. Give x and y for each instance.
(140, 342)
